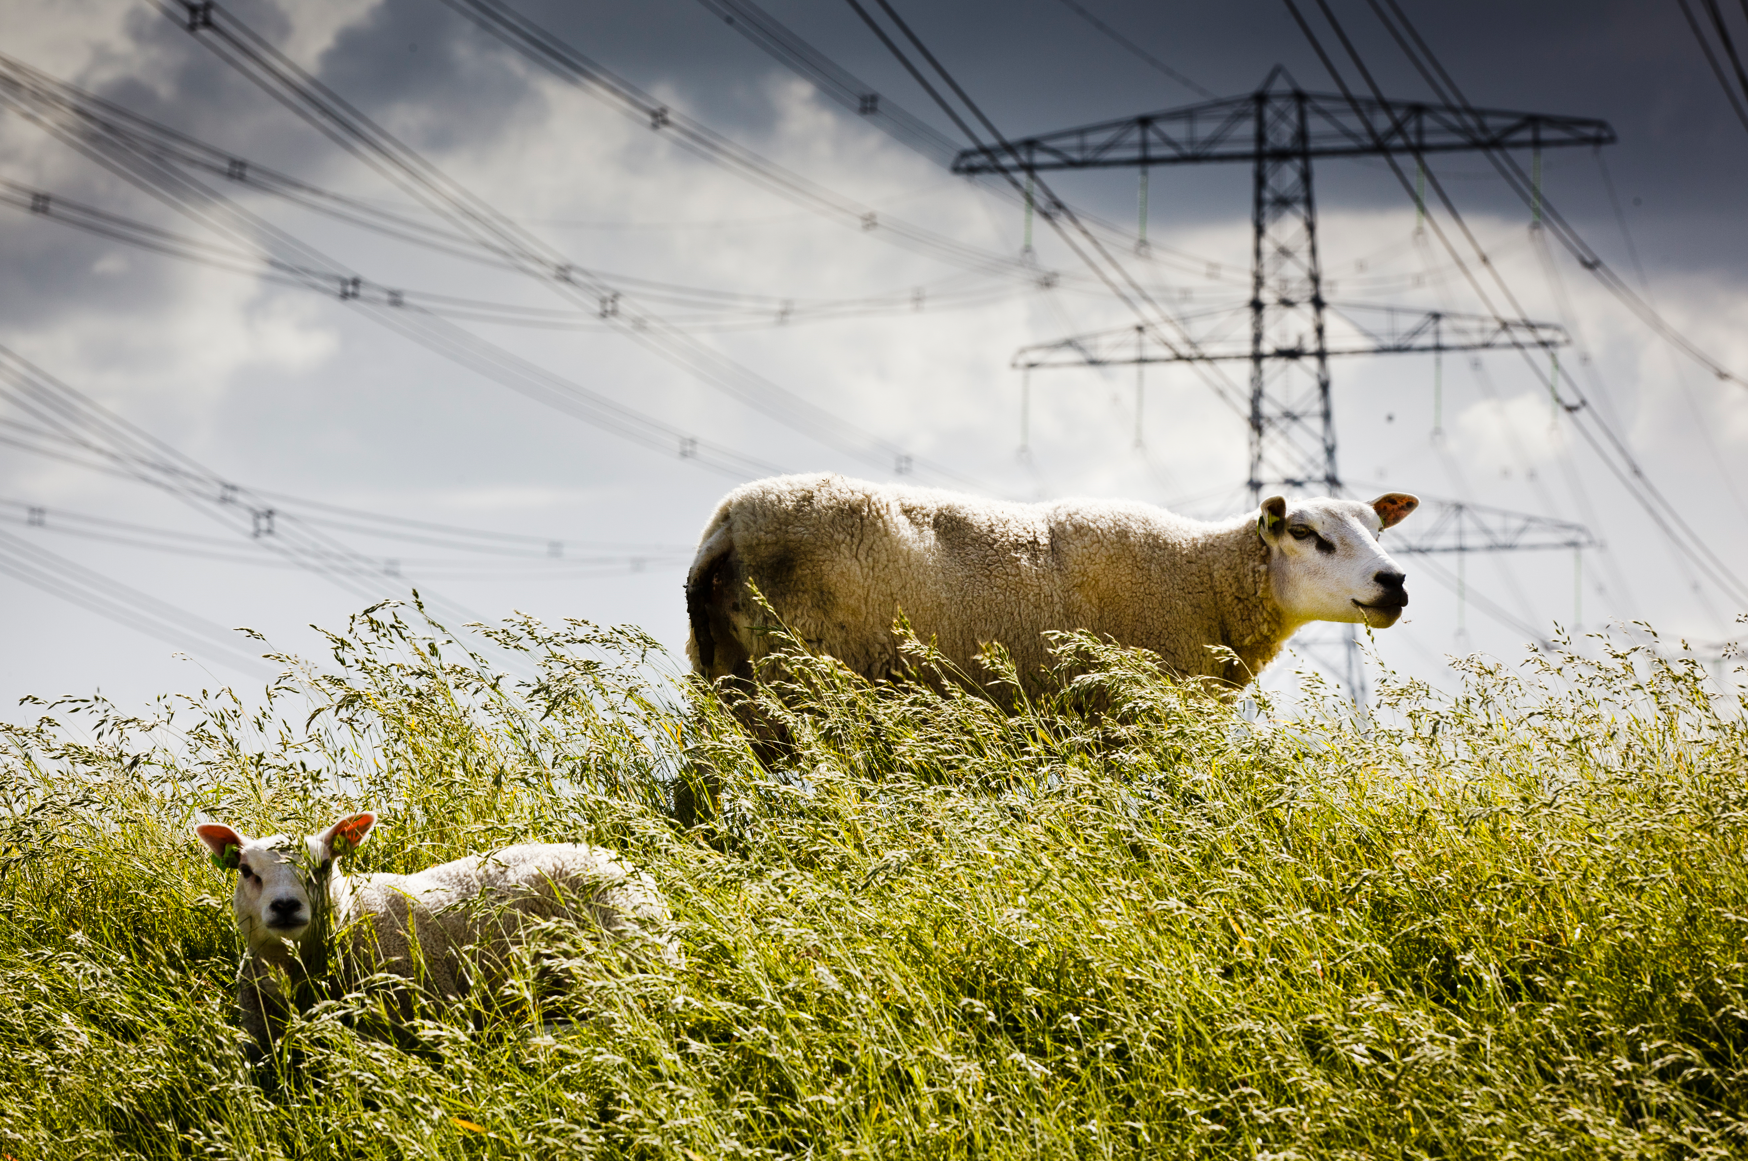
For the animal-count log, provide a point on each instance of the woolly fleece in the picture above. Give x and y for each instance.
(839, 558)
(444, 924)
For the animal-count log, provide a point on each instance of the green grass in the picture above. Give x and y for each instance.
(1510, 921)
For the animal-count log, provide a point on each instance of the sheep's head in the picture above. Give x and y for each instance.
(282, 883)
(1325, 562)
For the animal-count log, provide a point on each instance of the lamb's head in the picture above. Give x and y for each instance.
(282, 883)
(1325, 562)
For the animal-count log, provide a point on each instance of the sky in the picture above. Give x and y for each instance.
(474, 441)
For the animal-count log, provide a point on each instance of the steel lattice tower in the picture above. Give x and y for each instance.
(1286, 309)
(1280, 129)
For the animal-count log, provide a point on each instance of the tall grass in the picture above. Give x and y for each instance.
(1512, 921)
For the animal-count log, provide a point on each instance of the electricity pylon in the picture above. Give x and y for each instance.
(1279, 129)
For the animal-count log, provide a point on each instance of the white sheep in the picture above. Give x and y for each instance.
(450, 927)
(838, 559)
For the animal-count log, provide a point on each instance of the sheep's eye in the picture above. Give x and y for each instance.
(1302, 533)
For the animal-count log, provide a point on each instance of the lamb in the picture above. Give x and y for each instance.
(838, 559)
(449, 927)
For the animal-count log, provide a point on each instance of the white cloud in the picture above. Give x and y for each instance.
(1502, 435)
(289, 390)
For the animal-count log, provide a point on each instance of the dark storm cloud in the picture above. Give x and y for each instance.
(410, 63)
(414, 63)
(162, 74)
(378, 424)
(1680, 166)
(443, 83)
(167, 75)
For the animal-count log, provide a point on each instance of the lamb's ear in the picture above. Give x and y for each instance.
(1393, 508)
(1272, 518)
(344, 836)
(224, 844)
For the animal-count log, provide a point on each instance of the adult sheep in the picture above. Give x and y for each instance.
(838, 559)
(451, 927)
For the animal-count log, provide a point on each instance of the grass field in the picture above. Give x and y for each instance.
(1509, 922)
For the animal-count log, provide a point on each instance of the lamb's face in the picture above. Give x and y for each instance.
(1325, 562)
(281, 882)
(275, 888)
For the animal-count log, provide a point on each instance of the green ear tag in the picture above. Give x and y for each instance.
(228, 859)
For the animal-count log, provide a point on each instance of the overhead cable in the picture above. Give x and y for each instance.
(1735, 96)
(1531, 193)
(278, 76)
(1628, 472)
(1054, 210)
(857, 96)
(1668, 516)
(137, 455)
(726, 310)
(1136, 50)
(524, 561)
(315, 270)
(91, 590)
(571, 66)
(831, 81)
(548, 50)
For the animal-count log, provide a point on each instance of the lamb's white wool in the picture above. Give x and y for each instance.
(441, 925)
(838, 559)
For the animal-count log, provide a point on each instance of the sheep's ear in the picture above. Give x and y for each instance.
(1272, 518)
(1393, 508)
(345, 836)
(224, 844)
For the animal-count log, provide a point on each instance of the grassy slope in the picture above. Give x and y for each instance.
(1514, 923)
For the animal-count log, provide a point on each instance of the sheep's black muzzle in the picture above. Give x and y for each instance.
(286, 913)
(1395, 593)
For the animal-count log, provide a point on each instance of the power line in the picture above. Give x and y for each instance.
(836, 83)
(1729, 44)
(1663, 520)
(123, 604)
(571, 66)
(54, 445)
(745, 314)
(133, 453)
(552, 53)
(1632, 476)
(283, 80)
(189, 151)
(829, 79)
(1109, 271)
(1687, 394)
(857, 96)
(1136, 50)
(1730, 92)
(519, 562)
(315, 270)
(1530, 192)
(1697, 549)
(548, 50)
(280, 77)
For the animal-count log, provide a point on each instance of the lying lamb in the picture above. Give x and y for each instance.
(838, 559)
(449, 926)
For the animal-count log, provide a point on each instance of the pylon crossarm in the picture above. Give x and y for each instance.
(1222, 130)
(1367, 330)
(1458, 527)
(1399, 330)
